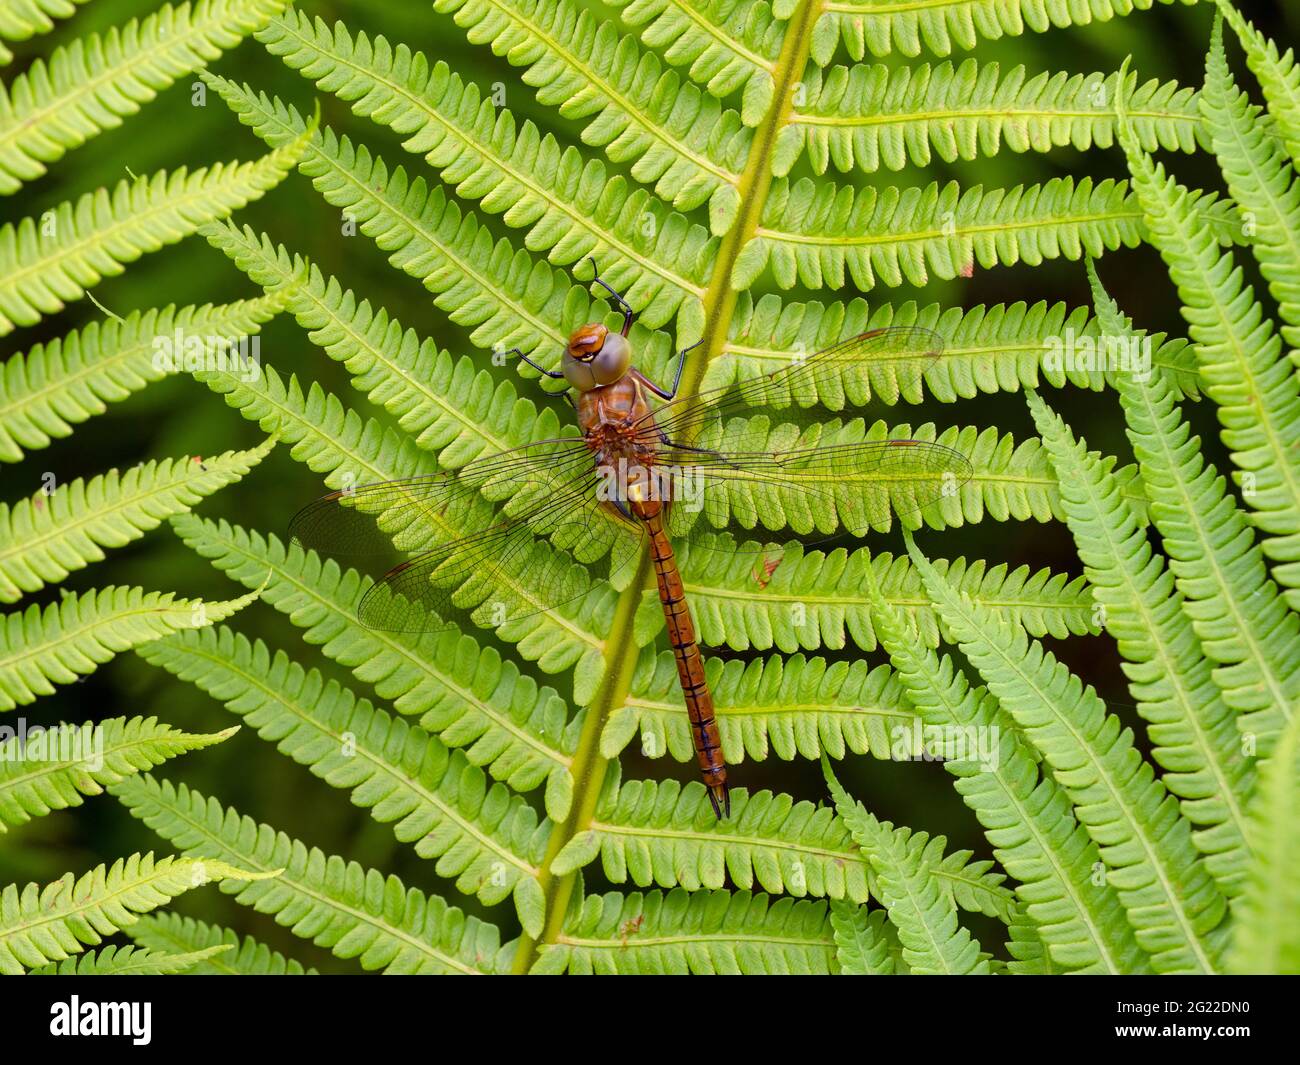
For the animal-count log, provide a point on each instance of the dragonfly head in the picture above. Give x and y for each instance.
(595, 357)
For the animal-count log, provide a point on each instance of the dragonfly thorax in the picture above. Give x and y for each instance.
(595, 357)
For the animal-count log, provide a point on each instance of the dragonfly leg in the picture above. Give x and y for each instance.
(666, 394)
(540, 369)
(619, 301)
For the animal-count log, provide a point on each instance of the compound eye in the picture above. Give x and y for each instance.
(578, 374)
(613, 359)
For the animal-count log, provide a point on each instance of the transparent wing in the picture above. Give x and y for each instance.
(844, 485)
(454, 548)
(413, 514)
(784, 467)
(499, 575)
(893, 359)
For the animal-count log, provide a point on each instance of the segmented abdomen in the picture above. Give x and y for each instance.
(690, 665)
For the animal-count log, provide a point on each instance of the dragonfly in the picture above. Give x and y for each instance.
(645, 469)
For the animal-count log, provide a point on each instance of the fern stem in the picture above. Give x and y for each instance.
(588, 767)
(621, 650)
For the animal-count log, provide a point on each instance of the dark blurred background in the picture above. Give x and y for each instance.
(178, 417)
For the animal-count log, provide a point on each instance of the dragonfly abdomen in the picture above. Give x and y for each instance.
(690, 665)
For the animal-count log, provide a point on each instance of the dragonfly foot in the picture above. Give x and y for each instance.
(720, 796)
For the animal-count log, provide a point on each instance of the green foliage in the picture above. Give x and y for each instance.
(44, 924)
(873, 116)
(684, 145)
(489, 840)
(1254, 387)
(49, 261)
(45, 538)
(728, 45)
(1169, 897)
(702, 932)
(794, 707)
(55, 386)
(1268, 938)
(1029, 820)
(1278, 74)
(465, 694)
(177, 936)
(22, 19)
(947, 25)
(689, 150)
(861, 946)
(795, 599)
(933, 942)
(129, 961)
(986, 349)
(1192, 728)
(54, 771)
(353, 911)
(93, 84)
(40, 648)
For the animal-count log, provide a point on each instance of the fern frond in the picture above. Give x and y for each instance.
(45, 537)
(672, 133)
(1008, 480)
(463, 693)
(874, 117)
(450, 407)
(129, 961)
(328, 437)
(695, 157)
(352, 911)
(53, 768)
(1260, 177)
(171, 933)
(1193, 732)
(1029, 954)
(93, 83)
(54, 386)
(478, 280)
(822, 235)
(1243, 624)
(487, 840)
(794, 707)
(861, 947)
(1278, 74)
(658, 259)
(1255, 389)
(1028, 819)
(1168, 894)
(824, 502)
(987, 349)
(943, 26)
(40, 925)
(926, 920)
(20, 20)
(795, 599)
(47, 262)
(44, 646)
(701, 932)
(325, 435)
(730, 46)
(665, 834)
(508, 298)
(1267, 928)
